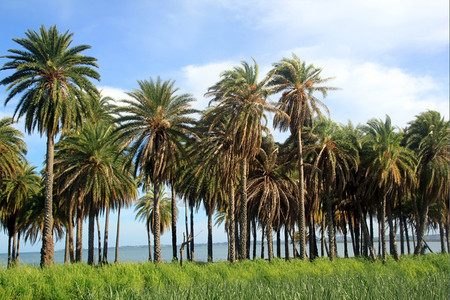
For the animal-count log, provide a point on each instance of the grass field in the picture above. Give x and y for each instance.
(425, 277)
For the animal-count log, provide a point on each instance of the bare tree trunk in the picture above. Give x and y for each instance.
(322, 239)
(352, 235)
(16, 259)
(105, 242)
(301, 182)
(174, 221)
(344, 232)
(99, 240)
(66, 248)
(311, 238)
(243, 212)
(47, 235)
(116, 259)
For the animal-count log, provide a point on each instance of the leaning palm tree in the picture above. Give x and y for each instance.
(144, 212)
(51, 79)
(428, 137)
(299, 83)
(12, 149)
(242, 98)
(154, 125)
(389, 165)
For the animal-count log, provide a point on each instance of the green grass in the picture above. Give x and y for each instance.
(425, 277)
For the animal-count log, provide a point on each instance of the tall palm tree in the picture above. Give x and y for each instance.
(51, 79)
(154, 124)
(428, 137)
(389, 165)
(89, 168)
(144, 211)
(12, 149)
(299, 83)
(241, 97)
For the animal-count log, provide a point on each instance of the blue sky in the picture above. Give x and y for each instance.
(387, 57)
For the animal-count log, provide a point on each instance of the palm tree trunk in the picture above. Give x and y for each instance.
(286, 242)
(392, 233)
(14, 245)
(210, 238)
(174, 221)
(301, 222)
(447, 233)
(269, 241)
(116, 259)
(99, 240)
(405, 225)
(157, 224)
(383, 228)
(47, 235)
(441, 227)
(91, 234)
(79, 246)
(149, 241)
(262, 240)
(344, 233)
(9, 249)
(366, 232)
(105, 241)
(421, 229)
(66, 248)
(70, 233)
(402, 239)
(322, 239)
(254, 237)
(311, 237)
(16, 259)
(186, 213)
(192, 232)
(243, 212)
(248, 238)
(278, 242)
(331, 232)
(232, 224)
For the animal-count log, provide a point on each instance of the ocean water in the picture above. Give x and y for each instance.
(220, 251)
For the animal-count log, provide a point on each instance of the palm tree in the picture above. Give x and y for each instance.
(428, 137)
(334, 157)
(271, 193)
(242, 99)
(154, 125)
(144, 212)
(89, 168)
(51, 80)
(12, 149)
(389, 165)
(15, 192)
(299, 83)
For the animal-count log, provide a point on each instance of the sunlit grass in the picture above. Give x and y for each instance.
(425, 277)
